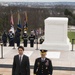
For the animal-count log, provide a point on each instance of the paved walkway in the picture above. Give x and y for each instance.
(4, 71)
(59, 59)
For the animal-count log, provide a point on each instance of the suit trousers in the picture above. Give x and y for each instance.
(19, 73)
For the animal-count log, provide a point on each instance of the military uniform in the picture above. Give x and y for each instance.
(17, 38)
(11, 38)
(25, 39)
(31, 38)
(4, 39)
(43, 66)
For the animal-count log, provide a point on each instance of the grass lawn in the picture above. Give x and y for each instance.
(71, 36)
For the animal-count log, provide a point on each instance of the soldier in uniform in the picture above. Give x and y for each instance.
(25, 39)
(43, 65)
(11, 38)
(32, 38)
(4, 38)
(17, 38)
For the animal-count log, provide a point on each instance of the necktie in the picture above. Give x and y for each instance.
(20, 59)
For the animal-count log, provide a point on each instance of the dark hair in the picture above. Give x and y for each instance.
(21, 47)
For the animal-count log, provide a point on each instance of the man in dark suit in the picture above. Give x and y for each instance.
(21, 65)
(43, 65)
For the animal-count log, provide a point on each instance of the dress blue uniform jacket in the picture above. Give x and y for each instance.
(43, 67)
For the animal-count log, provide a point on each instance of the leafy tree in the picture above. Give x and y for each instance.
(68, 12)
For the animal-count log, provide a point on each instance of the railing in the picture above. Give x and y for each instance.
(1, 50)
(72, 44)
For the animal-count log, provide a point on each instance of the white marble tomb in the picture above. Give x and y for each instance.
(56, 31)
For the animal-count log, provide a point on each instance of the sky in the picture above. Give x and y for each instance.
(37, 0)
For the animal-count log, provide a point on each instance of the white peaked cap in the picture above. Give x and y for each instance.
(25, 31)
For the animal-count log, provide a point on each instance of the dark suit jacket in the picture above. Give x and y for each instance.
(23, 68)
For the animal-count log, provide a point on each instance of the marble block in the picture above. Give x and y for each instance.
(56, 34)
